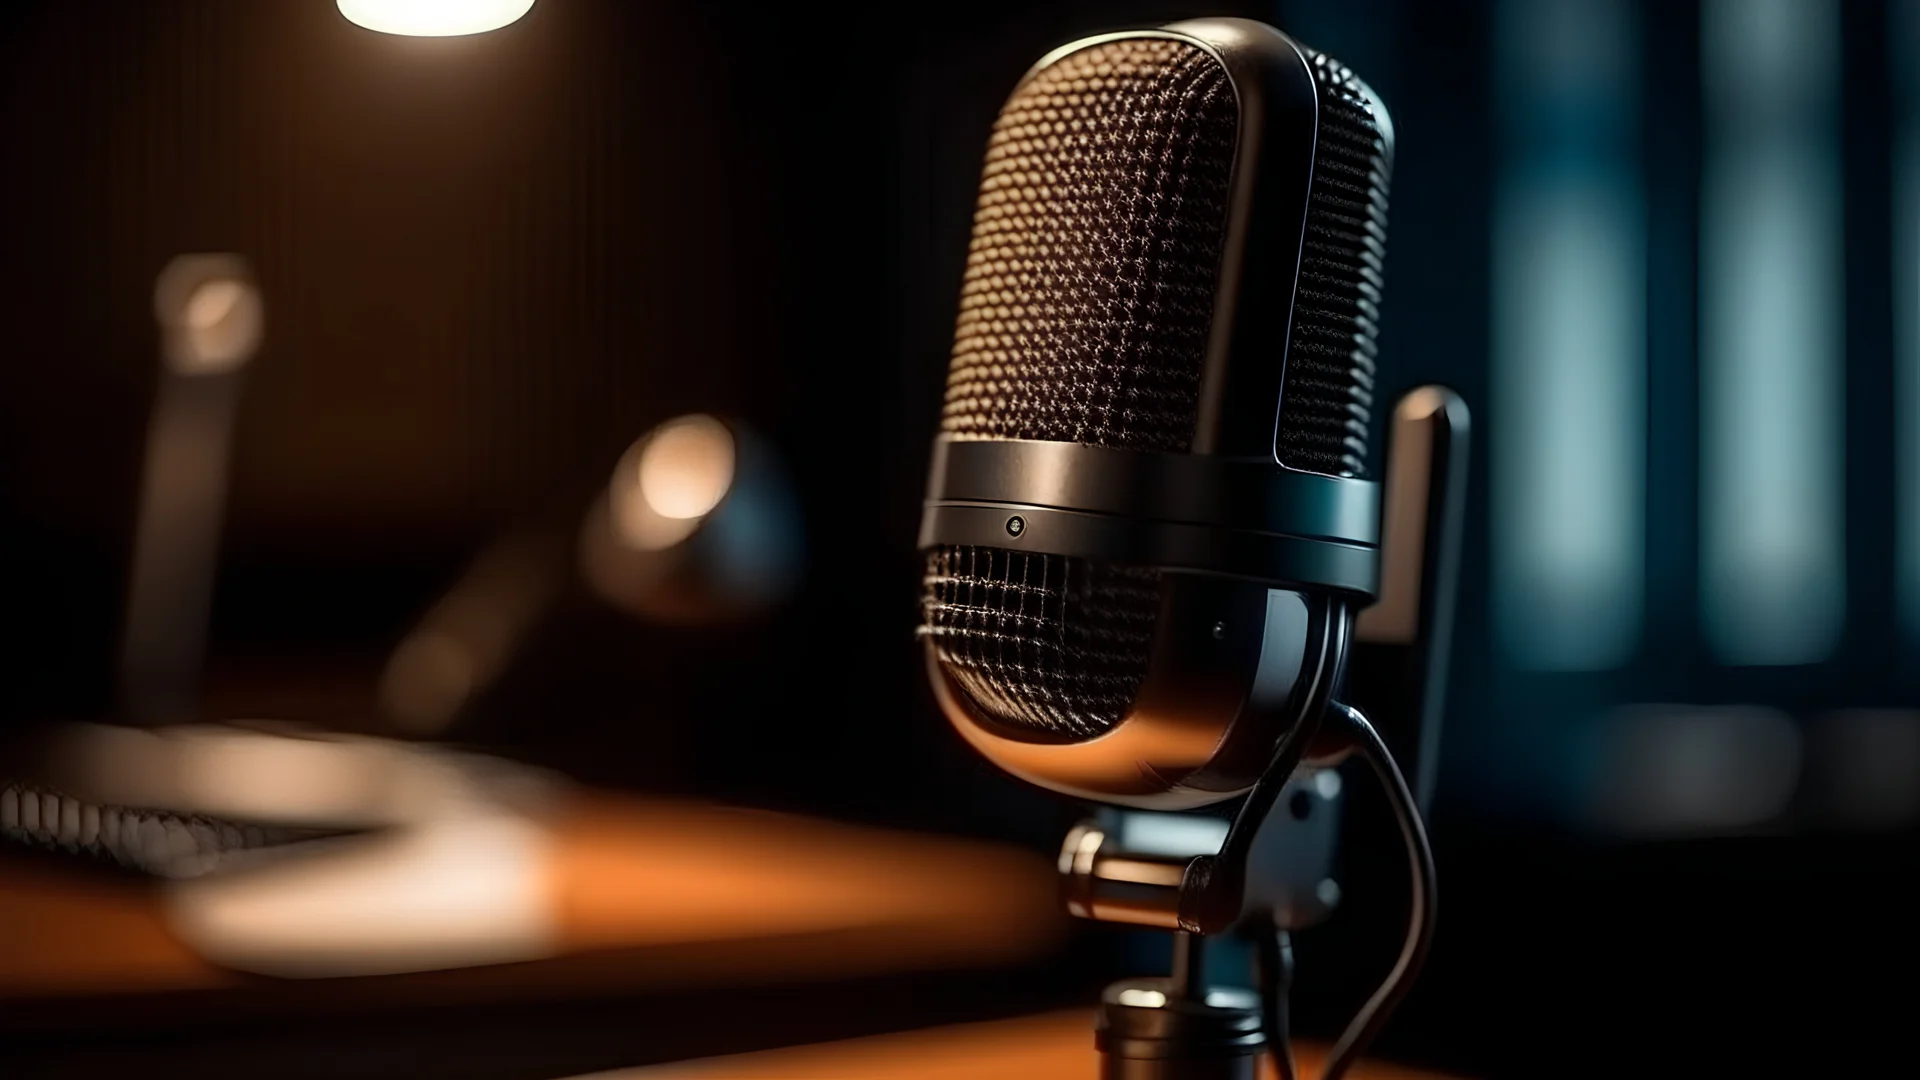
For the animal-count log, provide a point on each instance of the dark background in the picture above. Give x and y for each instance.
(491, 263)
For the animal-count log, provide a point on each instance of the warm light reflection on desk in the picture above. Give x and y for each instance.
(1053, 1046)
(670, 894)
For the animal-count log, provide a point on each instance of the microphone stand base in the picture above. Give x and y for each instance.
(1152, 1029)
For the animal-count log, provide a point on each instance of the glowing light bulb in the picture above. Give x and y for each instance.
(433, 18)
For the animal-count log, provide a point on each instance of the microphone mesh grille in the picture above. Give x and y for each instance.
(1096, 241)
(1043, 643)
(1083, 318)
(1327, 403)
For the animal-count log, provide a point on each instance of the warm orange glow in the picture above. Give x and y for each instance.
(630, 871)
(65, 931)
(434, 18)
(464, 879)
(468, 888)
(1053, 1046)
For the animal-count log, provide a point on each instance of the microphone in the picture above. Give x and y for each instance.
(1149, 521)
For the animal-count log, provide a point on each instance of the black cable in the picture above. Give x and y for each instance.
(1273, 960)
(1374, 1014)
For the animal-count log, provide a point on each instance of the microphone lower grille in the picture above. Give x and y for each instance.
(1084, 315)
(1046, 643)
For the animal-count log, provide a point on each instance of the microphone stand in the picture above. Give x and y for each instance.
(1132, 867)
(1267, 875)
(210, 320)
(1179, 1028)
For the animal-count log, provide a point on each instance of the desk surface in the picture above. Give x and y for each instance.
(1051, 1046)
(694, 905)
(644, 894)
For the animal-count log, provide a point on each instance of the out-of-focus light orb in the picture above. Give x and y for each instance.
(212, 304)
(698, 523)
(210, 312)
(221, 325)
(433, 18)
(670, 480)
(687, 467)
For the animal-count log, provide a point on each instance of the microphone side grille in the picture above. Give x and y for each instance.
(1326, 407)
(1084, 316)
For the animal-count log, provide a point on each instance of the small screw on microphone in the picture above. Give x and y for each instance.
(1016, 525)
(1219, 631)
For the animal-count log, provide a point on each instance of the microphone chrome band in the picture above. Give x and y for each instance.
(1182, 512)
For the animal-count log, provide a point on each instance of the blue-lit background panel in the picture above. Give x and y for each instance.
(1772, 483)
(1903, 56)
(1569, 336)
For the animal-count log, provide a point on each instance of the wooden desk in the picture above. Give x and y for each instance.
(1053, 1046)
(654, 898)
(646, 894)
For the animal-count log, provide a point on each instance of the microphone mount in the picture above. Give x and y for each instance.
(1262, 873)
(1232, 517)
